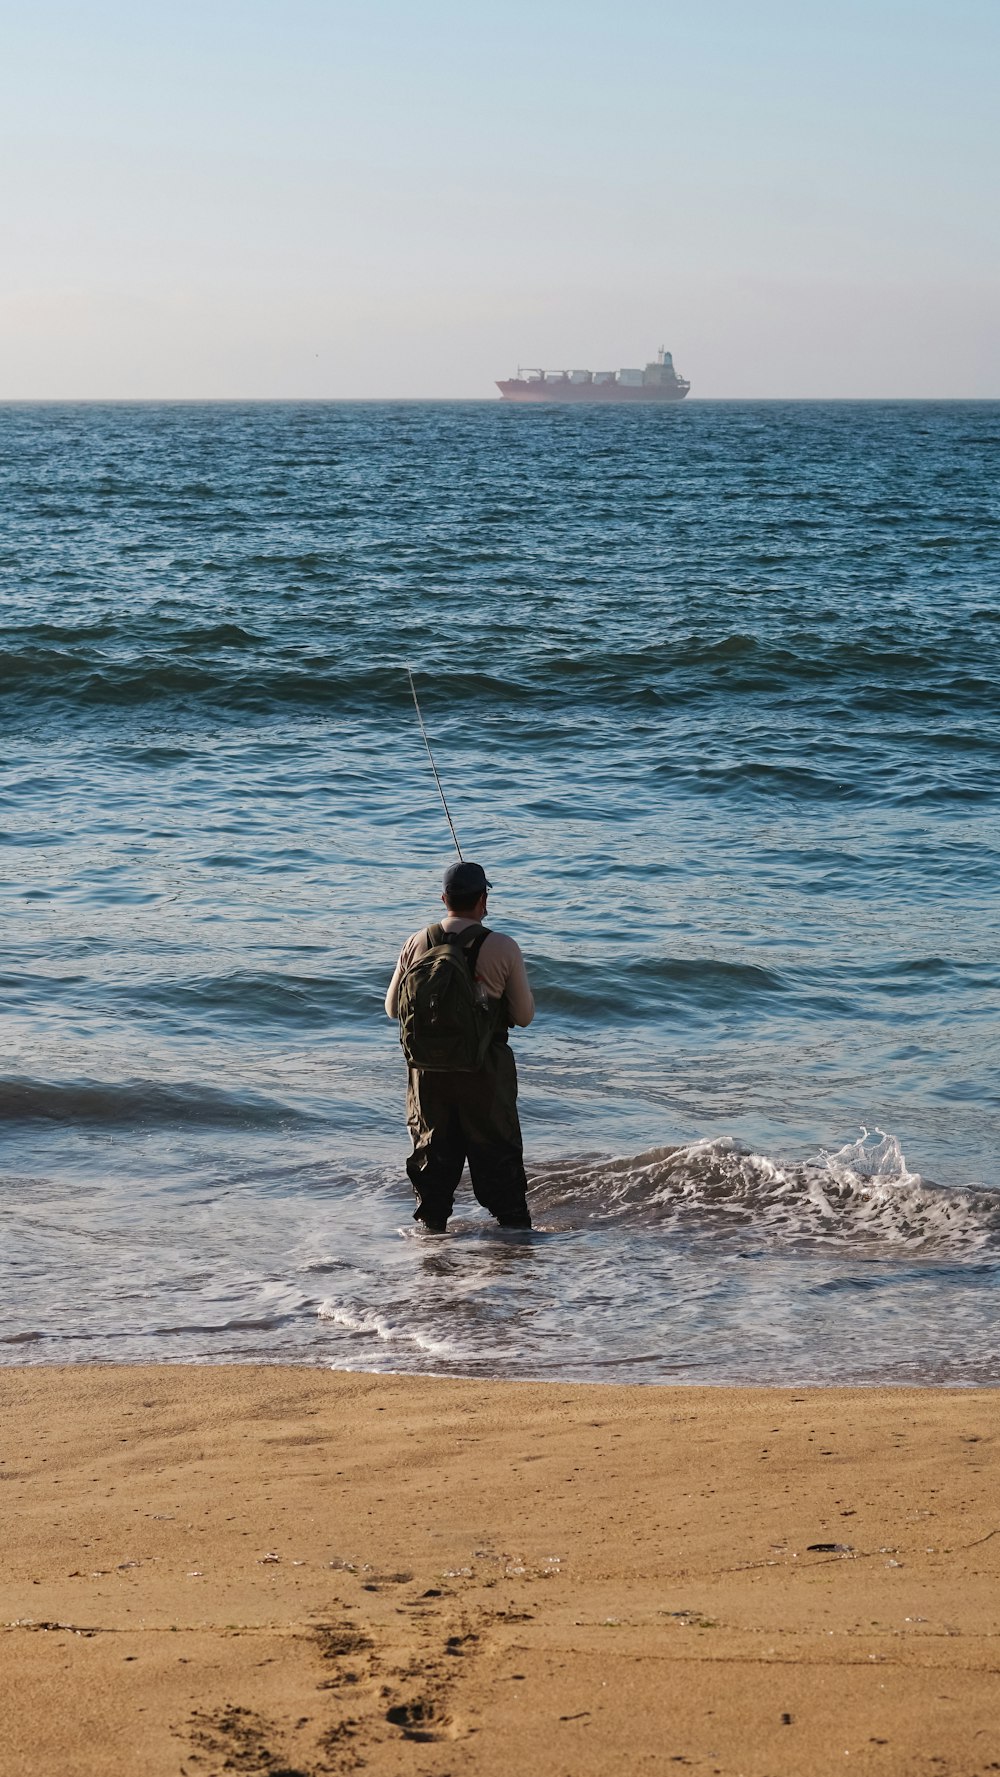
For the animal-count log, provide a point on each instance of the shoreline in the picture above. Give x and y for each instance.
(932, 1385)
(284, 1568)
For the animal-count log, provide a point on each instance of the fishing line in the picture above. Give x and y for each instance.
(434, 768)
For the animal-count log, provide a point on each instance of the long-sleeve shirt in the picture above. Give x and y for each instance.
(499, 966)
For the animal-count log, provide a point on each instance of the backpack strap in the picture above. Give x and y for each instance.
(470, 941)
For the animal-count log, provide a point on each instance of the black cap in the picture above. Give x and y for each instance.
(463, 881)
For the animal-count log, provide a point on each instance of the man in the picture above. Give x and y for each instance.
(458, 1116)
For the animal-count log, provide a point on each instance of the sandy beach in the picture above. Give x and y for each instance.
(278, 1570)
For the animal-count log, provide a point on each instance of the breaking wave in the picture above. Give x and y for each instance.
(862, 1195)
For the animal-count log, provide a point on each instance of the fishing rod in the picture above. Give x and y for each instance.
(434, 768)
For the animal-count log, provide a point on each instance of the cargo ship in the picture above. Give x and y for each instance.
(658, 382)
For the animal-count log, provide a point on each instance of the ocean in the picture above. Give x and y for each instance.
(714, 691)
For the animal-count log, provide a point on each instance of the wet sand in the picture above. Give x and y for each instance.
(272, 1570)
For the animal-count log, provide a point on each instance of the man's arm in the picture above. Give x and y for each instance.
(392, 997)
(520, 999)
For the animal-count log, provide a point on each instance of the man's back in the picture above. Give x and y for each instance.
(499, 967)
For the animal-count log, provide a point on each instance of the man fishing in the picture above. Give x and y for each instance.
(456, 990)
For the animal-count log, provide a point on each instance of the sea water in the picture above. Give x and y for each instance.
(714, 695)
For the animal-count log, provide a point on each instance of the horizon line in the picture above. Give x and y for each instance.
(466, 400)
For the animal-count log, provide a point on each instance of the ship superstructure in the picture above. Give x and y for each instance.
(659, 381)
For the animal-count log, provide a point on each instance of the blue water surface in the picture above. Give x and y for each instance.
(714, 695)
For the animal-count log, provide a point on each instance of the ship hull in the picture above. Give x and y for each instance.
(603, 394)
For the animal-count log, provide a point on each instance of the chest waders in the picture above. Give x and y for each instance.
(468, 1115)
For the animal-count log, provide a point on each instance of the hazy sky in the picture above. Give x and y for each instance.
(337, 198)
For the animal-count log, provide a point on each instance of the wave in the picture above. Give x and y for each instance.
(861, 1198)
(623, 990)
(252, 997)
(324, 654)
(648, 984)
(390, 1329)
(137, 1103)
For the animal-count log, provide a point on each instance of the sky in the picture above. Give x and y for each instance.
(372, 198)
